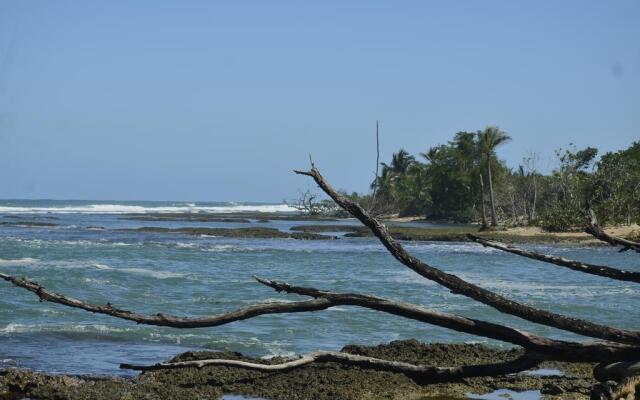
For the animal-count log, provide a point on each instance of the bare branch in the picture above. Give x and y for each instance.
(460, 286)
(420, 373)
(372, 206)
(600, 270)
(596, 231)
(170, 320)
(555, 349)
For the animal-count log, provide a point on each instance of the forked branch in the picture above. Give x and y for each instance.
(593, 269)
(460, 286)
(552, 349)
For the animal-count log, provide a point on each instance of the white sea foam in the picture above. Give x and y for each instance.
(182, 245)
(90, 328)
(449, 247)
(154, 274)
(210, 248)
(40, 243)
(225, 248)
(18, 261)
(88, 264)
(12, 328)
(101, 266)
(72, 264)
(130, 209)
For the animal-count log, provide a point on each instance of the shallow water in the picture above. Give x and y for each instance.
(195, 276)
(504, 394)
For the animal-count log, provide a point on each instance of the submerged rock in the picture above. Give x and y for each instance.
(251, 232)
(29, 224)
(241, 216)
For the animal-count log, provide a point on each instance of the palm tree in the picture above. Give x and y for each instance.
(488, 141)
(390, 174)
(401, 161)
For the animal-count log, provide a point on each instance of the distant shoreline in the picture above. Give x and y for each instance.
(248, 224)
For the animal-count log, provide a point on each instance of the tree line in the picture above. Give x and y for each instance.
(464, 181)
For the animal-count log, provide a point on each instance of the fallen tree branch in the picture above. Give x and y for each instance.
(554, 349)
(600, 270)
(420, 373)
(596, 231)
(616, 371)
(170, 320)
(462, 287)
(557, 350)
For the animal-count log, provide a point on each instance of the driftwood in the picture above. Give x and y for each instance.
(420, 373)
(596, 231)
(616, 371)
(460, 286)
(600, 270)
(551, 349)
(170, 320)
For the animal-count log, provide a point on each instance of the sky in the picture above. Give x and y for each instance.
(219, 101)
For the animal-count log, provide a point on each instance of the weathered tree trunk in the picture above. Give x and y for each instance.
(596, 230)
(372, 206)
(532, 217)
(484, 211)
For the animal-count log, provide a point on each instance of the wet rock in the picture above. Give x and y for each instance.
(251, 232)
(550, 388)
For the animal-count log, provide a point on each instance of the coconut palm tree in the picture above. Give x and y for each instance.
(401, 161)
(488, 140)
(390, 174)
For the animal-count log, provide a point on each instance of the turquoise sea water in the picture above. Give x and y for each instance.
(187, 275)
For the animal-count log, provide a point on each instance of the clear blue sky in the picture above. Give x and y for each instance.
(220, 100)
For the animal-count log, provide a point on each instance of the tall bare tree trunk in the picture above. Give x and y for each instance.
(494, 222)
(484, 212)
(535, 199)
(372, 206)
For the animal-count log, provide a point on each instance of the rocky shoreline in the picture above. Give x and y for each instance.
(250, 232)
(324, 228)
(321, 381)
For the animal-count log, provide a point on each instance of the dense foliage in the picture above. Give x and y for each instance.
(464, 181)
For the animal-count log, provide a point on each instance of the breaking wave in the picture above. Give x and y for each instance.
(139, 209)
(18, 261)
(82, 264)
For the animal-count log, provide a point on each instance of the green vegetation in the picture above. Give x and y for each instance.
(460, 180)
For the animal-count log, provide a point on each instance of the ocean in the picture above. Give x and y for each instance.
(77, 249)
